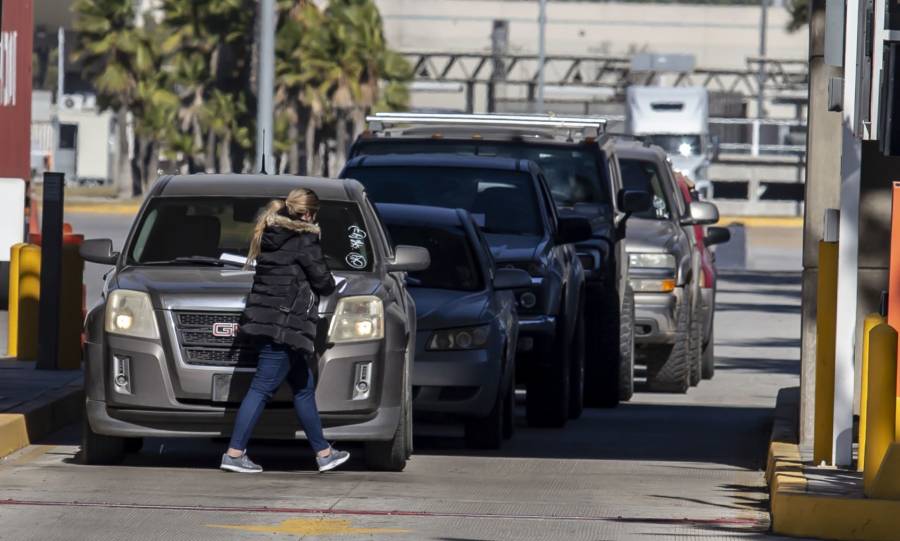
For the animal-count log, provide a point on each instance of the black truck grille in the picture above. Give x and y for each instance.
(200, 345)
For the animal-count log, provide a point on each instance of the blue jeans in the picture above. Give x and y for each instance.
(277, 362)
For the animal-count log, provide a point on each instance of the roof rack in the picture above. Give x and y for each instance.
(585, 126)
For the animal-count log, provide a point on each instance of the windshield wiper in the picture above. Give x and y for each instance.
(195, 260)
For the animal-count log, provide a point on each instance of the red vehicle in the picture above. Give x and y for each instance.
(702, 241)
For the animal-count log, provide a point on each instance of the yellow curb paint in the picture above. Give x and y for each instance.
(103, 208)
(29, 454)
(307, 526)
(763, 221)
(13, 433)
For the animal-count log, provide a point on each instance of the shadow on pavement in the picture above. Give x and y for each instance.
(756, 364)
(775, 308)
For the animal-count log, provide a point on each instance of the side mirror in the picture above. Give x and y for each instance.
(702, 213)
(716, 235)
(572, 229)
(409, 259)
(98, 251)
(511, 279)
(631, 201)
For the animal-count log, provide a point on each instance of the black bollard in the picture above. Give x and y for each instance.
(51, 272)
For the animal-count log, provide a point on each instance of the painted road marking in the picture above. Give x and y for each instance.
(307, 526)
(745, 522)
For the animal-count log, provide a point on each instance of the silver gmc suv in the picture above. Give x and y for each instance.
(163, 355)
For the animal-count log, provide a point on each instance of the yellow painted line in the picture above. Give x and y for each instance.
(13, 433)
(29, 454)
(763, 221)
(103, 208)
(307, 526)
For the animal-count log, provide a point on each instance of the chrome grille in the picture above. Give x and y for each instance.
(200, 346)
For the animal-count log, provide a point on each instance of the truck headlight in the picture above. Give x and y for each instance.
(459, 339)
(357, 319)
(130, 313)
(651, 261)
(652, 286)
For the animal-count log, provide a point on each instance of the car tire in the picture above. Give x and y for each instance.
(97, 449)
(708, 364)
(695, 347)
(626, 353)
(392, 455)
(672, 372)
(576, 377)
(487, 432)
(602, 369)
(547, 389)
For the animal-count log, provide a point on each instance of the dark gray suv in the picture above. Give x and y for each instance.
(163, 356)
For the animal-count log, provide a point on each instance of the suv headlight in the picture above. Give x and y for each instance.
(459, 339)
(130, 313)
(651, 261)
(652, 286)
(357, 319)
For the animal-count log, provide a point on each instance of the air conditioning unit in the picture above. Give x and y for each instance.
(72, 102)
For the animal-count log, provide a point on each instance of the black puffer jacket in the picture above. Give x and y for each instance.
(290, 275)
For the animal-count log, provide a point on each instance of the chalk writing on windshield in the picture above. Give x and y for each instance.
(357, 236)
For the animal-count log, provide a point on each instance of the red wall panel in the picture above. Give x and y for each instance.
(16, 37)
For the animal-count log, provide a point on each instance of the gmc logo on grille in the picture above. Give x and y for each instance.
(225, 330)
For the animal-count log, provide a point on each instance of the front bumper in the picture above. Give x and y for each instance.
(458, 382)
(278, 423)
(655, 319)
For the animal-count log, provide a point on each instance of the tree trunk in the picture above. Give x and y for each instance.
(137, 162)
(341, 137)
(311, 147)
(210, 153)
(151, 165)
(293, 139)
(225, 154)
(122, 178)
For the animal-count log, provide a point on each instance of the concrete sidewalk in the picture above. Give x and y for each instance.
(34, 403)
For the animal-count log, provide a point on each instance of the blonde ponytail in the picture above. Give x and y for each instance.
(265, 217)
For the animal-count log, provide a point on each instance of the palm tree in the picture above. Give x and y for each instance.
(108, 48)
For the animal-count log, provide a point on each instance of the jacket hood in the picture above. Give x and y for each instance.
(443, 309)
(642, 235)
(279, 229)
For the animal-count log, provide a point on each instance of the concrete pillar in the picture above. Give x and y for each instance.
(823, 151)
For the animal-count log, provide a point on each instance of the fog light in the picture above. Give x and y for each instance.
(527, 300)
(362, 380)
(122, 374)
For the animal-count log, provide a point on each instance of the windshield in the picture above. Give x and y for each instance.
(453, 262)
(641, 175)
(175, 229)
(678, 145)
(572, 172)
(503, 202)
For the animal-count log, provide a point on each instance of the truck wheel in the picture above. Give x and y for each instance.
(487, 432)
(576, 377)
(708, 365)
(547, 396)
(671, 373)
(97, 449)
(695, 348)
(602, 367)
(626, 353)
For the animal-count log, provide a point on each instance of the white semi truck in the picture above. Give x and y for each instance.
(676, 119)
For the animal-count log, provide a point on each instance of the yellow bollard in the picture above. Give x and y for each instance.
(12, 321)
(871, 321)
(28, 302)
(826, 316)
(880, 407)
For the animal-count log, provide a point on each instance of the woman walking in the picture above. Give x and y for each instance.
(280, 317)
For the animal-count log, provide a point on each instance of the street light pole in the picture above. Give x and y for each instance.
(264, 113)
(542, 53)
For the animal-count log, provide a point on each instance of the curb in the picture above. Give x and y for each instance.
(39, 418)
(103, 208)
(824, 503)
(780, 222)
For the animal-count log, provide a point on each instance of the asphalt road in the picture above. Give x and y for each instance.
(662, 466)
